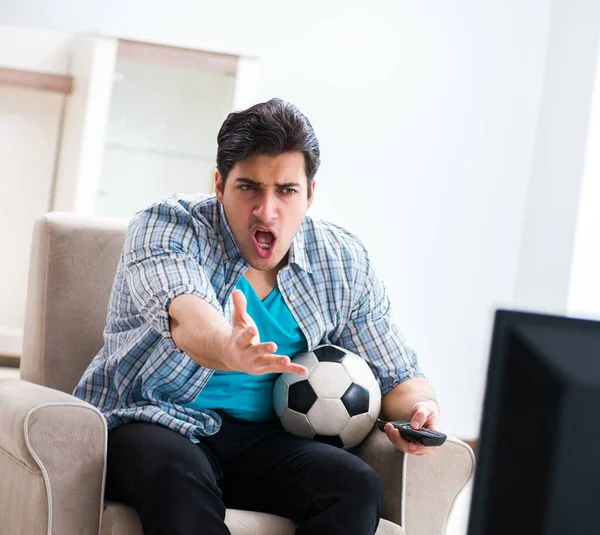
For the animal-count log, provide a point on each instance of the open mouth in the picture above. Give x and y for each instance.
(264, 242)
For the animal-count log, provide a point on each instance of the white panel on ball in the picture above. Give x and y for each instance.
(330, 380)
(280, 396)
(308, 360)
(328, 416)
(297, 424)
(357, 429)
(374, 400)
(358, 370)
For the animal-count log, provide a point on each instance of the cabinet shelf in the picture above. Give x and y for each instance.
(44, 81)
(207, 158)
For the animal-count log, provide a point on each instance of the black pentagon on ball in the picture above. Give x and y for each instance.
(334, 440)
(301, 396)
(356, 400)
(329, 354)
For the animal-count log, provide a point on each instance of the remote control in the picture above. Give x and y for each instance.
(427, 437)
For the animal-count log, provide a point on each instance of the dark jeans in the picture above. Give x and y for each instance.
(181, 488)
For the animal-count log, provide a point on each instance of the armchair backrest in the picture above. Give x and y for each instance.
(72, 267)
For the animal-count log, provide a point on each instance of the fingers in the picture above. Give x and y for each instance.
(255, 357)
(278, 364)
(239, 306)
(260, 358)
(259, 350)
(419, 419)
(247, 337)
(396, 439)
(405, 445)
(425, 414)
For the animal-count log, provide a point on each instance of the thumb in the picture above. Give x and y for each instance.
(239, 307)
(419, 419)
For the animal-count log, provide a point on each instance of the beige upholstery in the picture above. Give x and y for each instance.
(52, 455)
(53, 446)
(119, 519)
(73, 264)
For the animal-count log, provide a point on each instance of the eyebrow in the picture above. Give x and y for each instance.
(253, 182)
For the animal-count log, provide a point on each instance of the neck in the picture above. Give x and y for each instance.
(263, 282)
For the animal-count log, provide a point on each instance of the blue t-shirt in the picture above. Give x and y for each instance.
(245, 396)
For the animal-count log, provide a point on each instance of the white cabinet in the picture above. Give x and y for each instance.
(142, 122)
(101, 125)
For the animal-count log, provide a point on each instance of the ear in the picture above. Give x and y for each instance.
(312, 194)
(219, 186)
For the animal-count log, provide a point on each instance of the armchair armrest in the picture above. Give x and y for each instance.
(418, 492)
(52, 461)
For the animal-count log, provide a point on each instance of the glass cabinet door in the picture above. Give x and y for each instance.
(161, 132)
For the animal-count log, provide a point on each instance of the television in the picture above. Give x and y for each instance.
(538, 461)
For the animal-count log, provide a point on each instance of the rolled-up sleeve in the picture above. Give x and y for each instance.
(161, 256)
(371, 333)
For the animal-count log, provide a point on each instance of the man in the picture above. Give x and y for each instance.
(212, 296)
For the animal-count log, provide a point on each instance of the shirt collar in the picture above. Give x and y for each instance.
(297, 252)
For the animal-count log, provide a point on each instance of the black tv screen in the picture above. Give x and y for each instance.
(538, 466)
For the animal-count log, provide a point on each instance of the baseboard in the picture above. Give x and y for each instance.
(11, 342)
(10, 362)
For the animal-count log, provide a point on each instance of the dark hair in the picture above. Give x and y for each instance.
(271, 127)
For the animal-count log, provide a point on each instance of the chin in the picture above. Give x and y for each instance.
(264, 264)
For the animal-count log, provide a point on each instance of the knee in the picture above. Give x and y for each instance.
(365, 485)
(356, 482)
(177, 496)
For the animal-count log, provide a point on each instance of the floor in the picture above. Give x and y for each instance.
(9, 373)
(457, 524)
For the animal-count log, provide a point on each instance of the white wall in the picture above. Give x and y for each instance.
(546, 261)
(584, 284)
(426, 113)
(29, 128)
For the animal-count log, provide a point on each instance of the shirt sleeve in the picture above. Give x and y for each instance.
(161, 256)
(371, 333)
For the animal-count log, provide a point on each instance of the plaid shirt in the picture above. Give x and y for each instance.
(184, 245)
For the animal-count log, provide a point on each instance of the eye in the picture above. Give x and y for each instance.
(288, 191)
(246, 187)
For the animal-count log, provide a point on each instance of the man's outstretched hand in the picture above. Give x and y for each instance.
(246, 353)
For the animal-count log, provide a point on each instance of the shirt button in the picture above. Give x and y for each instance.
(292, 297)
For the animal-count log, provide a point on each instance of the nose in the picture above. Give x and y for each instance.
(266, 210)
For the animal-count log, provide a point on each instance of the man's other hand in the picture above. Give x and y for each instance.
(424, 414)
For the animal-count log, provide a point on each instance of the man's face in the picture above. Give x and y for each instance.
(265, 200)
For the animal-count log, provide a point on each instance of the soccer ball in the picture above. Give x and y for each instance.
(337, 403)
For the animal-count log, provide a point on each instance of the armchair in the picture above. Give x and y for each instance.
(53, 445)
